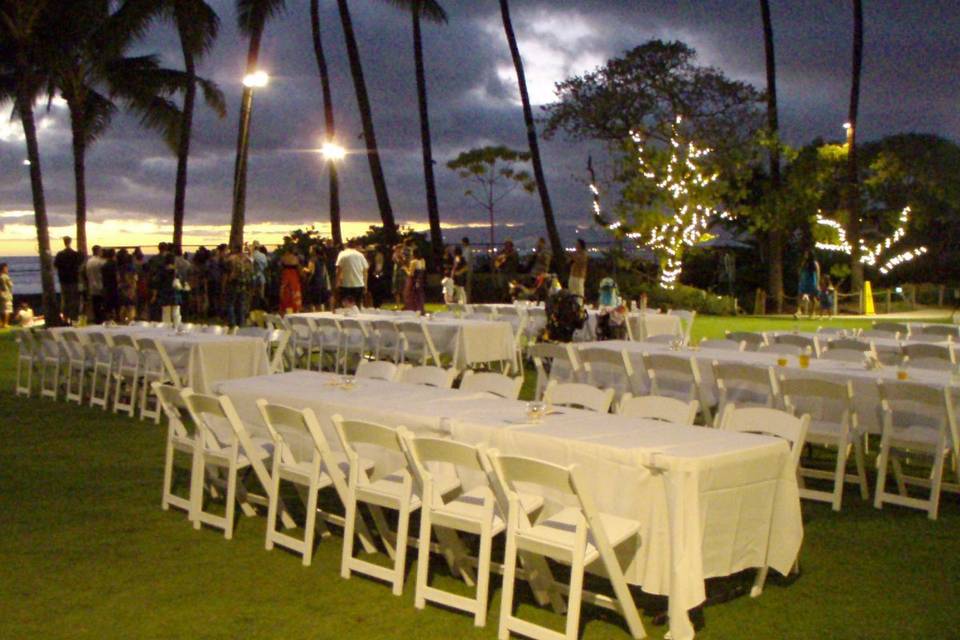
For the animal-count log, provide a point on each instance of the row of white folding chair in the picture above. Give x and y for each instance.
(662, 408)
(553, 362)
(276, 341)
(491, 382)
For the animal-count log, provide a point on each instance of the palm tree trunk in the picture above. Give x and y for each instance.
(775, 233)
(433, 211)
(50, 307)
(559, 255)
(366, 116)
(853, 185)
(183, 147)
(243, 138)
(328, 120)
(79, 175)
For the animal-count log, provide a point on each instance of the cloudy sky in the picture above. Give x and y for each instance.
(909, 84)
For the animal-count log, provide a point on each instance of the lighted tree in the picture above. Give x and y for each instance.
(669, 202)
(833, 237)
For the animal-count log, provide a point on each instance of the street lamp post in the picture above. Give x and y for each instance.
(251, 81)
(333, 153)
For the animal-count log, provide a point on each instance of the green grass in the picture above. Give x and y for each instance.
(86, 552)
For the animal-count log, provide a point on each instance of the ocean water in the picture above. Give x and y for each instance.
(25, 273)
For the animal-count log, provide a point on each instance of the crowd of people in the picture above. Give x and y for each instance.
(123, 284)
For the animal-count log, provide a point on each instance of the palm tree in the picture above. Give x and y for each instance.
(197, 27)
(559, 255)
(329, 124)
(853, 185)
(87, 55)
(252, 17)
(366, 117)
(432, 11)
(22, 80)
(775, 233)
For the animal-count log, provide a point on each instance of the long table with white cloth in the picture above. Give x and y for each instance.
(206, 358)
(648, 323)
(467, 342)
(864, 380)
(710, 502)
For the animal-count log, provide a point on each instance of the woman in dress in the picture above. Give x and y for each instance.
(168, 291)
(413, 292)
(317, 279)
(111, 288)
(291, 296)
(127, 286)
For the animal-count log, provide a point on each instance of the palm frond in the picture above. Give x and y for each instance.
(197, 24)
(253, 14)
(161, 115)
(213, 96)
(98, 112)
(430, 10)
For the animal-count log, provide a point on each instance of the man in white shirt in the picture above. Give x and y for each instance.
(351, 274)
(93, 268)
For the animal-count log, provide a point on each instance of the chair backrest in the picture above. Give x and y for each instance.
(846, 355)
(415, 332)
(782, 349)
(876, 333)
(352, 327)
(27, 345)
(804, 342)
(686, 322)
(356, 432)
(751, 339)
(424, 454)
(326, 326)
(301, 327)
(254, 332)
(837, 332)
(892, 327)
(72, 345)
(283, 421)
(492, 382)
(726, 345)
(279, 338)
(214, 329)
(578, 394)
(662, 408)
(429, 375)
(919, 350)
(767, 421)
(153, 353)
(216, 431)
(945, 330)
(909, 404)
(745, 385)
(825, 400)
(850, 344)
(674, 372)
(173, 406)
(618, 360)
(124, 340)
(546, 355)
(377, 370)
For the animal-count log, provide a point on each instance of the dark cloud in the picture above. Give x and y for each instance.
(910, 63)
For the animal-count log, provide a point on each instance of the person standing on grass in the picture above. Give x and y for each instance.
(291, 292)
(808, 288)
(237, 287)
(352, 270)
(67, 262)
(541, 259)
(460, 273)
(414, 296)
(6, 296)
(468, 260)
(111, 291)
(168, 291)
(578, 269)
(94, 272)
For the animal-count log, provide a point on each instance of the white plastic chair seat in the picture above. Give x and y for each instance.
(386, 491)
(558, 532)
(923, 438)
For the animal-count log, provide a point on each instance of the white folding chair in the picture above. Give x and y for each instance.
(310, 471)
(52, 361)
(745, 385)
(663, 408)
(224, 445)
(101, 349)
(253, 332)
(393, 490)
(428, 375)
(944, 331)
(810, 343)
(876, 333)
(752, 340)
(576, 536)
(417, 345)
(477, 512)
(377, 370)
(546, 358)
(780, 349)
(388, 340)
(678, 377)
(851, 344)
(837, 332)
(155, 366)
(893, 327)
(773, 422)
(848, 355)
(724, 345)
(277, 347)
(578, 394)
(326, 339)
(355, 340)
(182, 437)
(302, 334)
(833, 424)
(79, 365)
(491, 382)
(126, 373)
(929, 356)
(29, 355)
(919, 421)
(615, 364)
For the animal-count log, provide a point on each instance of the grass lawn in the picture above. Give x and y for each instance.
(86, 552)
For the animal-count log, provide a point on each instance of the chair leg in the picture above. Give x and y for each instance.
(423, 560)
(348, 531)
(167, 475)
(310, 525)
(839, 475)
(506, 593)
(231, 497)
(273, 499)
(576, 595)
(935, 484)
(861, 468)
(483, 576)
(882, 463)
(400, 562)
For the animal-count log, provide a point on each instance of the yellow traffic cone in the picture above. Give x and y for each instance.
(868, 299)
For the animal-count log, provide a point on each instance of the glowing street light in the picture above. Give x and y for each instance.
(256, 80)
(847, 126)
(26, 163)
(332, 152)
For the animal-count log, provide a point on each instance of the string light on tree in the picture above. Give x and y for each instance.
(686, 197)
(870, 256)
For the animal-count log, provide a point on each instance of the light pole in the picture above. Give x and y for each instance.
(333, 153)
(255, 80)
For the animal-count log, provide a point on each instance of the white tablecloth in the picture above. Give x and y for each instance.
(467, 342)
(866, 399)
(654, 323)
(710, 503)
(206, 358)
(882, 345)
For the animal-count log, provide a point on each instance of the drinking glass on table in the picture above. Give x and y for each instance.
(804, 358)
(536, 409)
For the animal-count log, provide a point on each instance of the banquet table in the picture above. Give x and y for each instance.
(882, 345)
(467, 342)
(206, 358)
(710, 503)
(654, 323)
(864, 380)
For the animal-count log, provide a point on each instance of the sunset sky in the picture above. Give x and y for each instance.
(909, 84)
